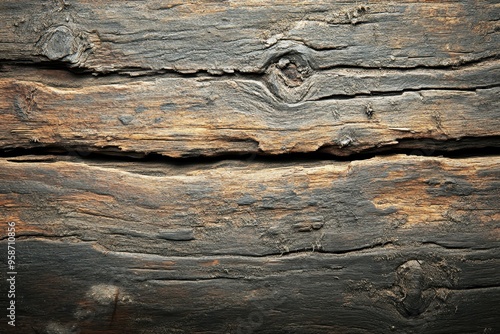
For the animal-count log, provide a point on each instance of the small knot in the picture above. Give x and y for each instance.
(369, 110)
(65, 44)
(292, 73)
(59, 43)
(286, 78)
(411, 281)
(293, 76)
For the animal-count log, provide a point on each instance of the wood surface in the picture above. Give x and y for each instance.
(216, 78)
(235, 166)
(181, 117)
(403, 243)
(247, 36)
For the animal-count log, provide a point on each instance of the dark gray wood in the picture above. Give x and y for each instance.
(423, 289)
(399, 243)
(247, 36)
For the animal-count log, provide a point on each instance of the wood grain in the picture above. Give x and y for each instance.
(293, 244)
(405, 290)
(246, 36)
(249, 76)
(409, 244)
(337, 111)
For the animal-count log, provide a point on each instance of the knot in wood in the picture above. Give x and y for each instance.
(65, 44)
(59, 43)
(411, 281)
(286, 78)
(291, 74)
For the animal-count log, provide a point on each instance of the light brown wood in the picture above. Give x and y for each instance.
(224, 77)
(173, 116)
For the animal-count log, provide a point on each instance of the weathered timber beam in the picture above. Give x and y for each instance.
(258, 210)
(294, 77)
(403, 244)
(425, 289)
(246, 36)
(339, 111)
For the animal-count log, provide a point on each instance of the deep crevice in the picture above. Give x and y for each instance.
(452, 66)
(131, 72)
(141, 72)
(443, 245)
(467, 147)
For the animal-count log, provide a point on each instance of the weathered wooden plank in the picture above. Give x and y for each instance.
(299, 76)
(340, 111)
(247, 35)
(421, 289)
(403, 244)
(255, 210)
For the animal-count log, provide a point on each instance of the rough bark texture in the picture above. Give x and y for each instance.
(300, 243)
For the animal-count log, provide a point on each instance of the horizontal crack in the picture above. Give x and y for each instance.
(322, 251)
(131, 73)
(141, 72)
(31, 235)
(452, 66)
(399, 92)
(188, 279)
(442, 245)
(465, 147)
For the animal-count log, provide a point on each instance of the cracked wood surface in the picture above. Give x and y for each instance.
(259, 209)
(340, 111)
(239, 77)
(246, 36)
(396, 243)
(321, 247)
